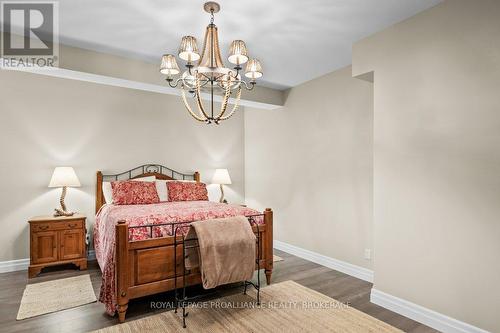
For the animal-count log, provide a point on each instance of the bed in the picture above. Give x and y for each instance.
(134, 244)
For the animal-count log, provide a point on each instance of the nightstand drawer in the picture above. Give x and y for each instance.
(42, 227)
(56, 225)
(73, 224)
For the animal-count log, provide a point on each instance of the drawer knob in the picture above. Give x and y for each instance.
(72, 225)
(44, 227)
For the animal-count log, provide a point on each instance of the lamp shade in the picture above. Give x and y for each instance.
(221, 176)
(64, 176)
(188, 50)
(254, 69)
(169, 65)
(238, 52)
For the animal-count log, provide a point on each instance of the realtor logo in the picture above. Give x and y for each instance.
(29, 34)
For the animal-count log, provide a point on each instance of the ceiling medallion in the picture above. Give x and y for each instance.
(210, 75)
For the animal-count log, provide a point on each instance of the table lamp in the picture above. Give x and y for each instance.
(64, 177)
(221, 177)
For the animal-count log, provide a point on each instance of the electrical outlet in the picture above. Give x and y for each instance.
(368, 254)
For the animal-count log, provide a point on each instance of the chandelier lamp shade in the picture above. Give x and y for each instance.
(188, 51)
(169, 65)
(206, 72)
(254, 69)
(238, 52)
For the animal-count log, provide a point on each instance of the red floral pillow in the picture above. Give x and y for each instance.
(187, 191)
(134, 193)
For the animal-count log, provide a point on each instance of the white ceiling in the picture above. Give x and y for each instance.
(295, 40)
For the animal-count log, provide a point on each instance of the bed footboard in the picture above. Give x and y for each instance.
(146, 267)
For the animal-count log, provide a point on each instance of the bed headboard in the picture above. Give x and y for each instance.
(157, 170)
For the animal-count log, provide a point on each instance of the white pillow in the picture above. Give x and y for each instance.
(144, 179)
(107, 190)
(161, 189)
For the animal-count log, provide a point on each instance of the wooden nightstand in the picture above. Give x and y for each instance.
(56, 241)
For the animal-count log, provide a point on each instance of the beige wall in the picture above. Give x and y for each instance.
(46, 122)
(437, 159)
(311, 161)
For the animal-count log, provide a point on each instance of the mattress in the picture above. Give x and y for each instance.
(154, 216)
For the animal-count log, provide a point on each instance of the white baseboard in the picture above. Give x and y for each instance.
(14, 265)
(405, 308)
(423, 315)
(22, 264)
(338, 265)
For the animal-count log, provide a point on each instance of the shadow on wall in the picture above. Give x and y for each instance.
(64, 144)
(218, 151)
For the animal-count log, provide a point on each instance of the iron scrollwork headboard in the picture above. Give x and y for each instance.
(157, 170)
(146, 169)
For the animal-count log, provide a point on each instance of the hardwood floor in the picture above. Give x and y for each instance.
(89, 317)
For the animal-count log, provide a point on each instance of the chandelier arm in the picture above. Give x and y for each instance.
(235, 106)
(198, 100)
(186, 104)
(248, 87)
(203, 81)
(225, 100)
(174, 85)
(205, 75)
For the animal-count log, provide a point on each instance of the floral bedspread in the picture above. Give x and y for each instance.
(180, 213)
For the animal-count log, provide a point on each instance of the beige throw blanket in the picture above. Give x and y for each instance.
(226, 252)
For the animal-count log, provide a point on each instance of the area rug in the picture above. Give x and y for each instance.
(286, 307)
(277, 258)
(51, 296)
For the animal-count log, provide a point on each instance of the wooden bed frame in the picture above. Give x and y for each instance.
(146, 267)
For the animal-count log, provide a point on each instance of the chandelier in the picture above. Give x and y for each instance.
(207, 74)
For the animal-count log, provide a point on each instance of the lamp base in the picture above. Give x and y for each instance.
(62, 211)
(222, 200)
(59, 212)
